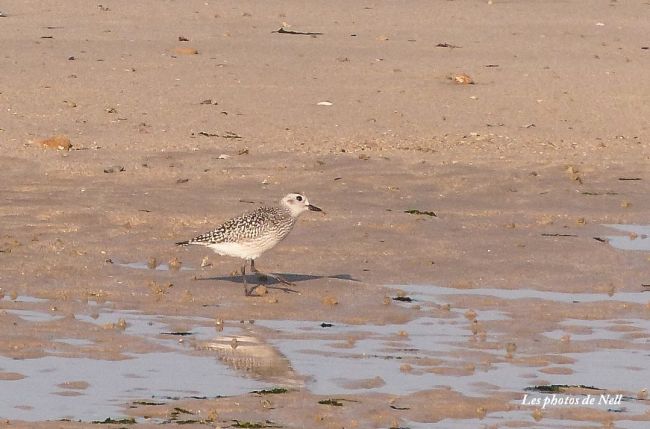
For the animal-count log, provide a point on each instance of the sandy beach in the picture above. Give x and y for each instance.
(482, 167)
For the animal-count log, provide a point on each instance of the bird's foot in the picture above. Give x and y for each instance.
(284, 281)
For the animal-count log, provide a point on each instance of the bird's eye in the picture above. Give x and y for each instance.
(298, 198)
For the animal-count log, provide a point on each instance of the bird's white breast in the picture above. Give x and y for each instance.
(244, 250)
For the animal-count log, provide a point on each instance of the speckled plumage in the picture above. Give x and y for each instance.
(250, 226)
(251, 234)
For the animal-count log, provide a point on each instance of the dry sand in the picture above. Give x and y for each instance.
(541, 142)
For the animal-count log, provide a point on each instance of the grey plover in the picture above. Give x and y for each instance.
(251, 234)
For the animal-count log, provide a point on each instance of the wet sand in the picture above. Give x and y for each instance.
(461, 197)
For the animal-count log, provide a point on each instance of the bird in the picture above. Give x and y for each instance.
(250, 234)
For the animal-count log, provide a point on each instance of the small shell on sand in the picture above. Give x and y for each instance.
(57, 142)
(261, 290)
(405, 368)
(175, 264)
(330, 300)
(470, 314)
(185, 50)
(462, 79)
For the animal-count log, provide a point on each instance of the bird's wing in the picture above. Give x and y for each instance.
(243, 227)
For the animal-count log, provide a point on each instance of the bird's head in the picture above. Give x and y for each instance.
(297, 204)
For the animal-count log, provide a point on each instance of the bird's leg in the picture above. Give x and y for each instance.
(259, 274)
(243, 276)
(273, 276)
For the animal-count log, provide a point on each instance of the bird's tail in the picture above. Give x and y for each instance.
(182, 243)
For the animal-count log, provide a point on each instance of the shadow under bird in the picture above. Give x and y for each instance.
(251, 234)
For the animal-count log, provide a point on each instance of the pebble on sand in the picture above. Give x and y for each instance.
(185, 50)
(260, 290)
(57, 142)
(462, 79)
(330, 300)
(174, 264)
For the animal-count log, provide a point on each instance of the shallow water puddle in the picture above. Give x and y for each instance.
(345, 359)
(616, 366)
(637, 237)
(60, 386)
(614, 369)
(432, 293)
(35, 316)
(632, 330)
(41, 395)
(610, 354)
(191, 357)
(349, 359)
(522, 418)
(495, 420)
(23, 298)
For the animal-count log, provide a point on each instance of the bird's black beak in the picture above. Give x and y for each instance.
(314, 208)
